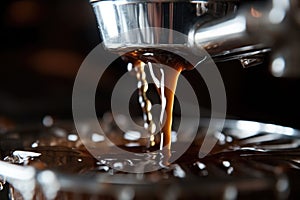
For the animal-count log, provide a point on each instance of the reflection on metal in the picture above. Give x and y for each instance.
(223, 28)
(253, 145)
(252, 61)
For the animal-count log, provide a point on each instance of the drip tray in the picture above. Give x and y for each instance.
(248, 160)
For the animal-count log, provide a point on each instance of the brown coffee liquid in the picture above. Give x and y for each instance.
(142, 58)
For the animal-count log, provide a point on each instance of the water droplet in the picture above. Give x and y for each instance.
(118, 165)
(48, 121)
(221, 137)
(178, 171)
(49, 183)
(97, 137)
(230, 193)
(35, 144)
(126, 193)
(103, 168)
(72, 137)
(129, 66)
(230, 170)
(226, 163)
(200, 165)
(278, 66)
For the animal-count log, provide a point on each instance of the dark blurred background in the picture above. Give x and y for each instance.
(43, 43)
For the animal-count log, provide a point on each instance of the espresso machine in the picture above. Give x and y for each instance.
(232, 33)
(225, 29)
(254, 155)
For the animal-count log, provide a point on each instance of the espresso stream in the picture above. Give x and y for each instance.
(145, 58)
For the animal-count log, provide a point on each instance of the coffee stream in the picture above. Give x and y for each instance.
(142, 58)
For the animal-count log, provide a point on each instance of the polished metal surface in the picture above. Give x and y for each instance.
(226, 29)
(250, 157)
(273, 26)
(135, 23)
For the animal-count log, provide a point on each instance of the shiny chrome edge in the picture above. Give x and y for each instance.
(151, 1)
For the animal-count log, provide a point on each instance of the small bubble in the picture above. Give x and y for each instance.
(144, 87)
(139, 84)
(229, 139)
(141, 100)
(152, 143)
(143, 75)
(139, 75)
(174, 136)
(221, 137)
(146, 125)
(152, 138)
(148, 105)
(149, 116)
(145, 118)
(152, 128)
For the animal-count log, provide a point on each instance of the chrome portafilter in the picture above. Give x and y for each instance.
(226, 29)
(117, 20)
